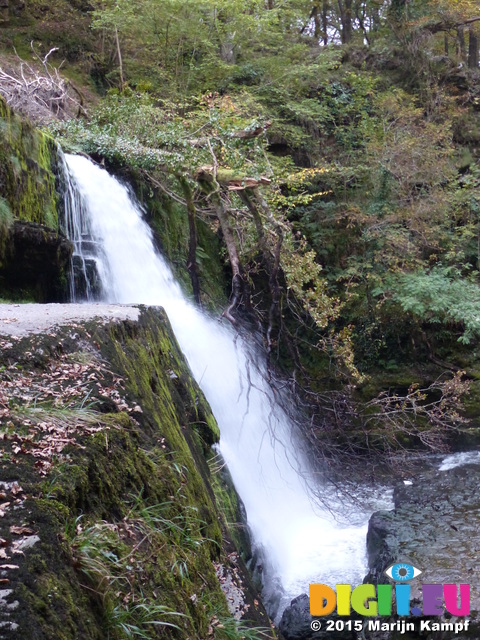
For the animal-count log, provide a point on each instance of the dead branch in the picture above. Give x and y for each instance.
(41, 95)
(390, 425)
(226, 177)
(247, 134)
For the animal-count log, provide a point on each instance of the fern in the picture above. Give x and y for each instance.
(441, 296)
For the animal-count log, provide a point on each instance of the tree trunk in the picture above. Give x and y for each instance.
(360, 14)
(472, 49)
(375, 18)
(348, 25)
(274, 269)
(238, 281)
(119, 54)
(341, 12)
(461, 48)
(345, 11)
(316, 21)
(325, 21)
(246, 199)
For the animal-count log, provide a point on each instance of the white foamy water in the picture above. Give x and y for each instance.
(302, 541)
(459, 459)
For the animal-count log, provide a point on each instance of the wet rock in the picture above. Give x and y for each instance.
(435, 526)
(86, 281)
(296, 620)
(37, 262)
(296, 623)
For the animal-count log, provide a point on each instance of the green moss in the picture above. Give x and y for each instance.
(230, 506)
(128, 513)
(34, 257)
(6, 221)
(53, 604)
(27, 170)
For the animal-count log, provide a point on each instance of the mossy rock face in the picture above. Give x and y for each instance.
(231, 506)
(28, 163)
(118, 506)
(34, 255)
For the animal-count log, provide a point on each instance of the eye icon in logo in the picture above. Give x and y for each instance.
(401, 572)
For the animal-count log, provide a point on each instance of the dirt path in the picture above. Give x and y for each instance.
(24, 319)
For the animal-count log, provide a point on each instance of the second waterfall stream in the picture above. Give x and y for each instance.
(299, 538)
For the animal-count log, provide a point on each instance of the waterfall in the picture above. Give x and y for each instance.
(299, 538)
(84, 281)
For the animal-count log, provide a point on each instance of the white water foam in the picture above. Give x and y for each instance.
(459, 459)
(302, 540)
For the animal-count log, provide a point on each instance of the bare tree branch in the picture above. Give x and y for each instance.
(41, 95)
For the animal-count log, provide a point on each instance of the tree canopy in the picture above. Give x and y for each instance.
(332, 145)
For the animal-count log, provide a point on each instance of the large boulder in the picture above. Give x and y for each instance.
(296, 623)
(435, 526)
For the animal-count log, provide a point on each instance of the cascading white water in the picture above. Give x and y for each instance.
(78, 229)
(301, 541)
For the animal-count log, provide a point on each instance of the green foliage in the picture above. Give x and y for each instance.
(138, 620)
(228, 628)
(6, 217)
(369, 144)
(440, 296)
(108, 564)
(132, 129)
(194, 47)
(302, 274)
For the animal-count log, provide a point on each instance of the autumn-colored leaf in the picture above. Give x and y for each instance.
(22, 530)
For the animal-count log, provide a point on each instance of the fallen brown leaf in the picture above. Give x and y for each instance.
(23, 530)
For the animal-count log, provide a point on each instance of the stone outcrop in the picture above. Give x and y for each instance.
(28, 165)
(34, 255)
(435, 526)
(36, 263)
(296, 623)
